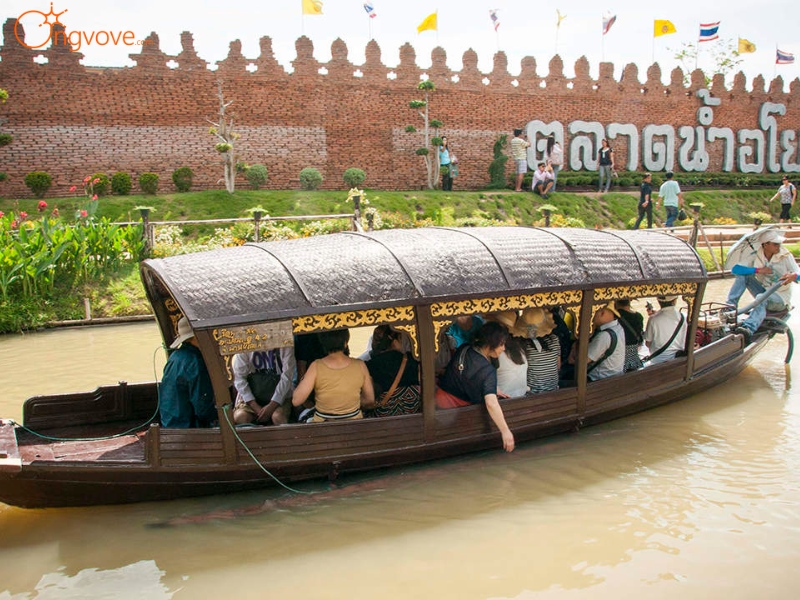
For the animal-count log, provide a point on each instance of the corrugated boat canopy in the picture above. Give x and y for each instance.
(331, 273)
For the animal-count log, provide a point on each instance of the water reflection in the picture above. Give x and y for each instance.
(690, 499)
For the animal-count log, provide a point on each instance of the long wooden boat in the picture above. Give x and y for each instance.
(260, 295)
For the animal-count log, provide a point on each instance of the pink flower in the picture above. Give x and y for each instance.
(23, 215)
(2, 214)
(42, 206)
(84, 214)
(55, 212)
(94, 197)
(87, 179)
(96, 181)
(73, 188)
(14, 224)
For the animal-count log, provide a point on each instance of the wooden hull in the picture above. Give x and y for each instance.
(165, 464)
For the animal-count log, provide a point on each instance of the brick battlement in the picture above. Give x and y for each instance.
(72, 120)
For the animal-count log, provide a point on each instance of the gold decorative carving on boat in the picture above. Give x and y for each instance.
(484, 306)
(354, 318)
(501, 303)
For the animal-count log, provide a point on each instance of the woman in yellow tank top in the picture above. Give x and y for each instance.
(341, 385)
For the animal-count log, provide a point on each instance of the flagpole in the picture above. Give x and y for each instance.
(369, 20)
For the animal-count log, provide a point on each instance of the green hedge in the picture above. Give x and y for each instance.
(632, 179)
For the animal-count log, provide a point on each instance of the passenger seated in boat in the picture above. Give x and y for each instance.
(463, 331)
(633, 324)
(606, 351)
(470, 378)
(542, 349)
(395, 375)
(264, 381)
(564, 320)
(307, 349)
(341, 384)
(512, 367)
(185, 395)
(405, 343)
(665, 334)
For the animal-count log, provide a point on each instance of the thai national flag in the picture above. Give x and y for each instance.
(493, 16)
(783, 58)
(370, 10)
(708, 31)
(608, 21)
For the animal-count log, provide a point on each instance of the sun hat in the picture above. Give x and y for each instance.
(610, 306)
(670, 298)
(184, 333)
(535, 322)
(772, 235)
(507, 318)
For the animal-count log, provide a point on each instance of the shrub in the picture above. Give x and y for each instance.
(148, 183)
(101, 187)
(354, 177)
(182, 178)
(121, 183)
(3, 175)
(310, 178)
(6, 139)
(497, 168)
(38, 182)
(256, 175)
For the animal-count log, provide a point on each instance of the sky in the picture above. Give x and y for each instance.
(527, 28)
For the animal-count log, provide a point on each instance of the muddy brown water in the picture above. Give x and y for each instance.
(699, 499)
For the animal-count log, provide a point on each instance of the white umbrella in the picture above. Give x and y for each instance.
(746, 247)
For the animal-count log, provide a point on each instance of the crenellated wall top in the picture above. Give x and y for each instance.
(340, 70)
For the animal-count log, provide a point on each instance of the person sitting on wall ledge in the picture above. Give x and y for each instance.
(542, 181)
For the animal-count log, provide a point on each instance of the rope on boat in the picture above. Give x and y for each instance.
(225, 411)
(133, 429)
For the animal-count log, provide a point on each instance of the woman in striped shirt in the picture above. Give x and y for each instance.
(542, 349)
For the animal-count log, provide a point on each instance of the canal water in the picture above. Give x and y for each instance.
(699, 499)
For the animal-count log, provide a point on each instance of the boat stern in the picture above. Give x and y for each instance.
(10, 461)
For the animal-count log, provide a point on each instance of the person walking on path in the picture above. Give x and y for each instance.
(670, 191)
(606, 166)
(519, 152)
(645, 202)
(788, 194)
(445, 165)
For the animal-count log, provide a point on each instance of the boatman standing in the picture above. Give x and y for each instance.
(756, 272)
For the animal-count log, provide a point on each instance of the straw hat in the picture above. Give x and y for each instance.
(670, 298)
(536, 322)
(184, 333)
(610, 306)
(507, 318)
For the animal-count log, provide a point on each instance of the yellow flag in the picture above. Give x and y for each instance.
(663, 27)
(560, 18)
(312, 7)
(428, 23)
(746, 46)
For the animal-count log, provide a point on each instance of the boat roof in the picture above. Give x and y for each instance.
(266, 281)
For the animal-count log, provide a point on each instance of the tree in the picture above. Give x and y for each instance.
(724, 53)
(223, 130)
(431, 165)
(497, 168)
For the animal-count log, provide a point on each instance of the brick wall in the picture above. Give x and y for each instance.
(72, 120)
